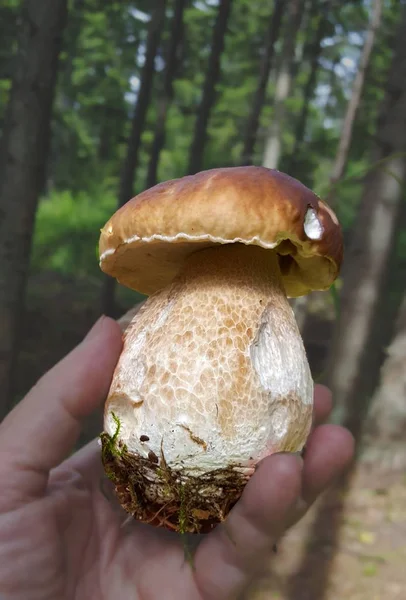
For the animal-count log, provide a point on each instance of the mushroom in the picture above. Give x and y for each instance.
(213, 376)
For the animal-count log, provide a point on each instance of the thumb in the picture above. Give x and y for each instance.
(43, 428)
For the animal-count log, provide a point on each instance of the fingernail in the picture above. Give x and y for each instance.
(96, 329)
(297, 456)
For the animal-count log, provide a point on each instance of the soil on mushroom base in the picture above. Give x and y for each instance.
(368, 561)
(152, 492)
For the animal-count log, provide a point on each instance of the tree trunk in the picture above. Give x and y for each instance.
(352, 107)
(23, 157)
(126, 190)
(209, 89)
(260, 93)
(128, 173)
(273, 145)
(358, 339)
(386, 425)
(70, 47)
(300, 305)
(167, 96)
(314, 52)
(8, 33)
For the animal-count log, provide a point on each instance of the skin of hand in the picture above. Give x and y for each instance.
(60, 538)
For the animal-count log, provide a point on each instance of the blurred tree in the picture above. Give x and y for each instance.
(265, 66)
(209, 88)
(128, 172)
(386, 425)
(126, 190)
(364, 127)
(8, 37)
(320, 24)
(23, 156)
(273, 143)
(165, 99)
(300, 305)
(354, 358)
(99, 64)
(341, 158)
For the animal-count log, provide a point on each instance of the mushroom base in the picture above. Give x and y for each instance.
(154, 493)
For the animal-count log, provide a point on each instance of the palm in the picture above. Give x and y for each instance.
(60, 538)
(75, 545)
(108, 555)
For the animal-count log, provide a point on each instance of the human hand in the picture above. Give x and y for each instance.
(60, 538)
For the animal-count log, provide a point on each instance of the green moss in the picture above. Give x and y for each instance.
(182, 518)
(110, 443)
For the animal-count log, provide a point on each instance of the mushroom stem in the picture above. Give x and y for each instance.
(236, 266)
(213, 377)
(218, 345)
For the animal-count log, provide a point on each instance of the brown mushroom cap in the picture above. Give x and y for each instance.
(146, 242)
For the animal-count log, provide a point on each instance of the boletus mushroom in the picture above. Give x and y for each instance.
(213, 376)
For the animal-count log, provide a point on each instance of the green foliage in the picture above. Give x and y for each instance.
(100, 64)
(99, 59)
(67, 231)
(66, 236)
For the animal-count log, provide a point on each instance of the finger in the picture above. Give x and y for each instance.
(228, 556)
(88, 462)
(329, 453)
(323, 404)
(39, 433)
(270, 504)
(330, 450)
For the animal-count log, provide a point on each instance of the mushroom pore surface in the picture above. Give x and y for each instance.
(213, 377)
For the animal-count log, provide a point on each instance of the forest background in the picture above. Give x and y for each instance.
(99, 100)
